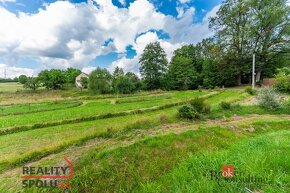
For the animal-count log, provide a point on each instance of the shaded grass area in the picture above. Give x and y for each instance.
(129, 168)
(36, 107)
(260, 165)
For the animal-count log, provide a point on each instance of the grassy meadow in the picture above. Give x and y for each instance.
(137, 143)
(11, 87)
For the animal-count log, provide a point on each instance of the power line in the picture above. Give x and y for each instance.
(5, 73)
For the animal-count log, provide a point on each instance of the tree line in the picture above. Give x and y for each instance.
(241, 28)
(51, 79)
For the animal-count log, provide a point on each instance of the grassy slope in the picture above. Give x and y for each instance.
(145, 164)
(40, 142)
(46, 141)
(262, 157)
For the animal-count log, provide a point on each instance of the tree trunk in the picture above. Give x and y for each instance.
(258, 76)
(239, 79)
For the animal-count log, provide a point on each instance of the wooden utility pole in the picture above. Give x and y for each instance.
(253, 72)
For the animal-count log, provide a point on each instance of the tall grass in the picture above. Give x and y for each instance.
(142, 165)
(260, 165)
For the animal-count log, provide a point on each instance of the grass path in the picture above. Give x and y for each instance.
(131, 137)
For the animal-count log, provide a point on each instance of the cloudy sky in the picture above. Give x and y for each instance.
(45, 34)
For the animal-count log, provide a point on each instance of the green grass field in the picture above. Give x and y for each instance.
(136, 143)
(11, 87)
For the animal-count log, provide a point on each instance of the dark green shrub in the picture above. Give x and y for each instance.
(200, 106)
(225, 105)
(250, 90)
(282, 83)
(186, 112)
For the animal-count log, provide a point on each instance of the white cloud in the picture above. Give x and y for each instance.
(184, 30)
(132, 65)
(180, 11)
(88, 69)
(184, 1)
(65, 35)
(4, 1)
(12, 72)
(123, 2)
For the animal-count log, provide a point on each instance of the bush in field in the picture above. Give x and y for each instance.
(250, 90)
(200, 106)
(84, 82)
(32, 83)
(269, 99)
(71, 74)
(225, 105)
(187, 112)
(282, 83)
(125, 83)
(22, 79)
(197, 108)
(100, 81)
(52, 79)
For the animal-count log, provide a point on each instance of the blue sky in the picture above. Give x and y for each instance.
(44, 34)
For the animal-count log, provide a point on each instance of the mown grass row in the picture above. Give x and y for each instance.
(144, 165)
(140, 99)
(92, 118)
(35, 144)
(19, 109)
(95, 108)
(110, 96)
(50, 139)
